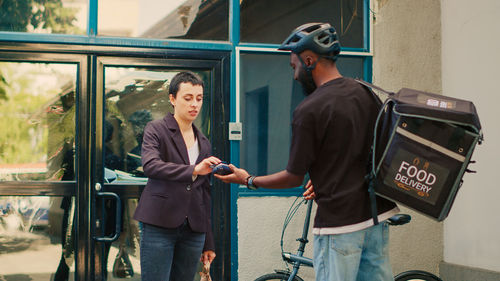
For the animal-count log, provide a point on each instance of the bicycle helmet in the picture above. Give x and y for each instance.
(320, 38)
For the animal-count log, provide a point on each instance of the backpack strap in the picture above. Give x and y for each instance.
(370, 85)
(371, 177)
(373, 200)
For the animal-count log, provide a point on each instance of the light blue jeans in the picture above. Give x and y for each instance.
(358, 256)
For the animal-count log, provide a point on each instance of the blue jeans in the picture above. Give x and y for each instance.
(358, 256)
(170, 254)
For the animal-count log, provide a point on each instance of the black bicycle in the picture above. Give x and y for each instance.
(297, 260)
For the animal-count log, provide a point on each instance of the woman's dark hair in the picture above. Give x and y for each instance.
(183, 77)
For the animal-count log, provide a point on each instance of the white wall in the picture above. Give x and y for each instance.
(470, 70)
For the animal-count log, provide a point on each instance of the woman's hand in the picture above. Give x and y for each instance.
(309, 193)
(203, 168)
(207, 257)
(238, 176)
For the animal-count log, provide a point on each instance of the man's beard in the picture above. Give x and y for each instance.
(306, 80)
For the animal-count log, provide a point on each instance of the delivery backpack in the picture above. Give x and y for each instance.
(422, 146)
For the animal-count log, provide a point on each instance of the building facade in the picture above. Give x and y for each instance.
(79, 79)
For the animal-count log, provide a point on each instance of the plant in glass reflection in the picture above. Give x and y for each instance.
(16, 108)
(3, 84)
(37, 120)
(37, 15)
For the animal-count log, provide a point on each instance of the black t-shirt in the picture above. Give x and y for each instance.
(332, 131)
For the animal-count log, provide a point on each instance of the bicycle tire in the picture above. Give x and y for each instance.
(416, 275)
(277, 276)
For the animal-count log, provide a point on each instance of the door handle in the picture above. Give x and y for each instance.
(118, 214)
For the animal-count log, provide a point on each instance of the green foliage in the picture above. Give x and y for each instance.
(21, 15)
(3, 84)
(34, 125)
(20, 131)
(50, 15)
(15, 15)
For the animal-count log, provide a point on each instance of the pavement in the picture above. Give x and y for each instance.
(32, 257)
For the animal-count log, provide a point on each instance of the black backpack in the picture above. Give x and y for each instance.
(422, 147)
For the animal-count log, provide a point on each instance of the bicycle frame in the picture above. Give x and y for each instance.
(298, 259)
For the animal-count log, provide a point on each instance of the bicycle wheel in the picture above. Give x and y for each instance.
(282, 276)
(416, 275)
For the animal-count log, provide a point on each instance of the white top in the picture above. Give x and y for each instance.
(193, 153)
(354, 227)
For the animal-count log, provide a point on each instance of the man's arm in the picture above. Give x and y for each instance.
(279, 180)
(283, 179)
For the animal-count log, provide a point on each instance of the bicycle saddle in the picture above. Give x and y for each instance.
(399, 219)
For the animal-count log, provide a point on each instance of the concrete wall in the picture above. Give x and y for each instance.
(448, 47)
(470, 61)
(260, 223)
(407, 53)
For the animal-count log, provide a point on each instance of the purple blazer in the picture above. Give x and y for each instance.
(171, 195)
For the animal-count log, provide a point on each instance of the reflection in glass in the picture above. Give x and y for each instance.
(37, 109)
(161, 19)
(124, 259)
(265, 21)
(268, 96)
(135, 96)
(31, 237)
(52, 16)
(351, 66)
(266, 111)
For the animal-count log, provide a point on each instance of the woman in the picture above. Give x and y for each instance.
(175, 206)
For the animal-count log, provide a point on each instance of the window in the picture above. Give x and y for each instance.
(37, 139)
(158, 19)
(268, 96)
(271, 21)
(134, 97)
(53, 16)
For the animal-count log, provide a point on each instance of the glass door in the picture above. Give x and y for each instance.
(70, 175)
(41, 173)
(130, 93)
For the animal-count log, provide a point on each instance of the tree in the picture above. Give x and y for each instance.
(23, 15)
(48, 15)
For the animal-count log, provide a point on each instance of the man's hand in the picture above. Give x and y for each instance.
(238, 176)
(309, 193)
(207, 257)
(203, 168)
